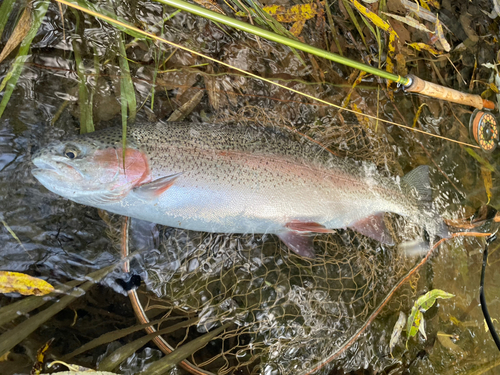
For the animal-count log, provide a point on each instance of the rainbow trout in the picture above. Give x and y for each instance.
(233, 179)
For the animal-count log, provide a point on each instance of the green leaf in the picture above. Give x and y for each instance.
(413, 323)
(426, 301)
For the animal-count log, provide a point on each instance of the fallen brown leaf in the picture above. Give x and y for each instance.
(19, 33)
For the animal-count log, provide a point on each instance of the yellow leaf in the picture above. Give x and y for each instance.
(455, 321)
(486, 328)
(297, 27)
(358, 80)
(440, 34)
(488, 182)
(401, 64)
(494, 88)
(424, 5)
(362, 119)
(391, 50)
(40, 358)
(425, 47)
(5, 357)
(301, 12)
(377, 21)
(434, 3)
(11, 282)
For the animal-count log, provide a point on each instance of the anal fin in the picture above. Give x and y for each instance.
(374, 227)
(307, 226)
(300, 243)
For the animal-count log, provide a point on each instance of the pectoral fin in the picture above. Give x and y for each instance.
(299, 243)
(374, 227)
(154, 189)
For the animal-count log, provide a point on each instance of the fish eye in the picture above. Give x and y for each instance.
(71, 153)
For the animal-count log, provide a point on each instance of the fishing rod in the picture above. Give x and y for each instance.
(483, 127)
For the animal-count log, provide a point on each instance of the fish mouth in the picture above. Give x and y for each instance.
(53, 167)
(44, 167)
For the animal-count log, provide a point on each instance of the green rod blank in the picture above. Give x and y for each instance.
(228, 21)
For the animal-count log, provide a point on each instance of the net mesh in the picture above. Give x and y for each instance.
(288, 313)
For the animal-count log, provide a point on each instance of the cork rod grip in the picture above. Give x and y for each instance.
(418, 85)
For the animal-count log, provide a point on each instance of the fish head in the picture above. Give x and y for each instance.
(90, 169)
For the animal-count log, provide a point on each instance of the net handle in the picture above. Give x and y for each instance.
(160, 342)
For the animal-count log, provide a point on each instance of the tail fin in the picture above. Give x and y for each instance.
(417, 184)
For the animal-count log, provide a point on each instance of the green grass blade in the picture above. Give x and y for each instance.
(169, 361)
(10, 81)
(84, 96)
(5, 10)
(127, 92)
(10, 312)
(113, 360)
(354, 20)
(333, 29)
(370, 27)
(155, 74)
(14, 336)
(108, 337)
(126, 85)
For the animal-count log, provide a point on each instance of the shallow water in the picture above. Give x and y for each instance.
(312, 304)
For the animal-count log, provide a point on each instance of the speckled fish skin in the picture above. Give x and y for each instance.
(226, 178)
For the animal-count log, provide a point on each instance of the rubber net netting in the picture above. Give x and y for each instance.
(287, 313)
